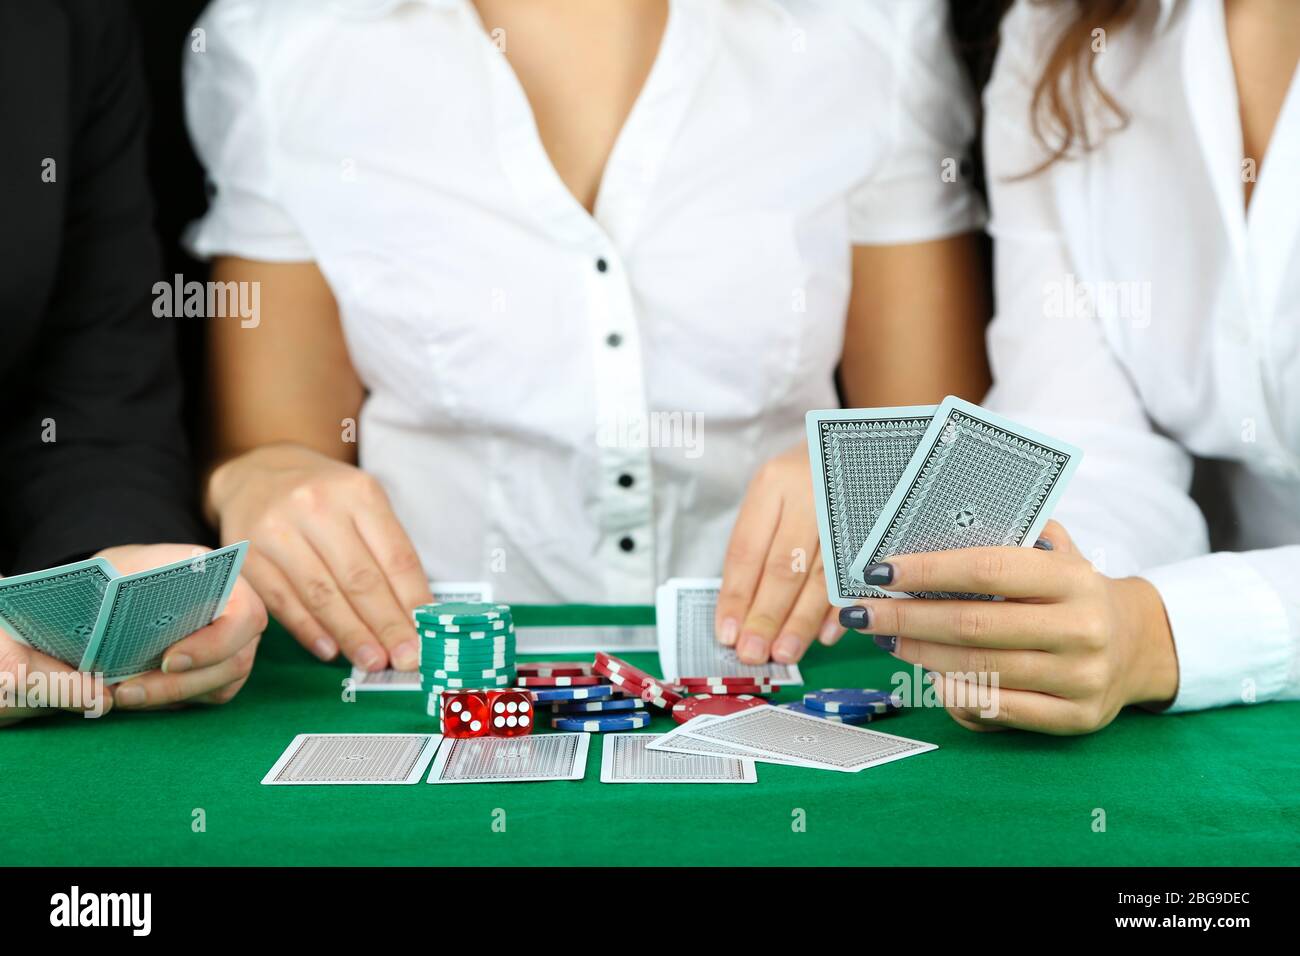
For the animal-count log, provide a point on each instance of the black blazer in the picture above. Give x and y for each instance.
(91, 448)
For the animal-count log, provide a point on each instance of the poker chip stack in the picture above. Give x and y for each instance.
(581, 699)
(636, 684)
(464, 646)
(729, 686)
(859, 705)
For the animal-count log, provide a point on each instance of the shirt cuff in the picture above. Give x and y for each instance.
(900, 213)
(1230, 630)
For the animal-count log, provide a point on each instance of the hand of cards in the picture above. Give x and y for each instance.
(94, 619)
(926, 478)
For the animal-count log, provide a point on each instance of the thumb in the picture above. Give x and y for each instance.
(32, 684)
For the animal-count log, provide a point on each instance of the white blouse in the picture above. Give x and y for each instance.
(1145, 316)
(572, 405)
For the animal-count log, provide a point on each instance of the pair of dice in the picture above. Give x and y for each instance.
(483, 713)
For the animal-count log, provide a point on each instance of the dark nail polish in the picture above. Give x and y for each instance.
(857, 618)
(1042, 544)
(878, 574)
(886, 643)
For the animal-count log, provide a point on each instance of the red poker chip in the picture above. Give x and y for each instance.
(553, 669)
(609, 664)
(715, 706)
(650, 691)
(733, 679)
(662, 695)
(581, 680)
(732, 689)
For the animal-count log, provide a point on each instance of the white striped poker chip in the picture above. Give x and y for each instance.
(455, 672)
(458, 683)
(799, 708)
(475, 629)
(462, 613)
(852, 701)
(597, 706)
(497, 644)
(554, 668)
(456, 663)
(633, 720)
(584, 680)
(599, 692)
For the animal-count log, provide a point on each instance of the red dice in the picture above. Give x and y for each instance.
(510, 713)
(464, 713)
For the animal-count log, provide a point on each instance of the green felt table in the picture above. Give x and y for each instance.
(1214, 788)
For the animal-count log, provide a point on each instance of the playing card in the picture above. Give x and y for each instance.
(858, 456)
(54, 611)
(688, 644)
(146, 613)
(461, 592)
(776, 732)
(353, 758)
(679, 740)
(626, 759)
(976, 479)
(511, 759)
(384, 680)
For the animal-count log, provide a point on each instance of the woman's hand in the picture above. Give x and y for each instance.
(210, 666)
(19, 663)
(1069, 647)
(773, 598)
(328, 555)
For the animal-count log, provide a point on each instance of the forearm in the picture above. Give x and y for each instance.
(915, 330)
(286, 379)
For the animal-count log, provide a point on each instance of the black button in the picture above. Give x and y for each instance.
(625, 481)
(602, 265)
(613, 340)
(627, 544)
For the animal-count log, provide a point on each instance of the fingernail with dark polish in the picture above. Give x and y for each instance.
(858, 618)
(886, 643)
(1042, 544)
(878, 574)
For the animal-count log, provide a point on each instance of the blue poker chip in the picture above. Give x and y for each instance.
(598, 692)
(852, 702)
(602, 723)
(597, 706)
(855, 719)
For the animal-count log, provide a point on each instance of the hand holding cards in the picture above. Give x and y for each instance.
(894, 481)
(93, 618)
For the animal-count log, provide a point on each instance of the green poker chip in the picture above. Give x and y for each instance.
(472, 675)
(458, 614)
(433, 654)
(465, 631)
(438, 685)
(471, 640)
